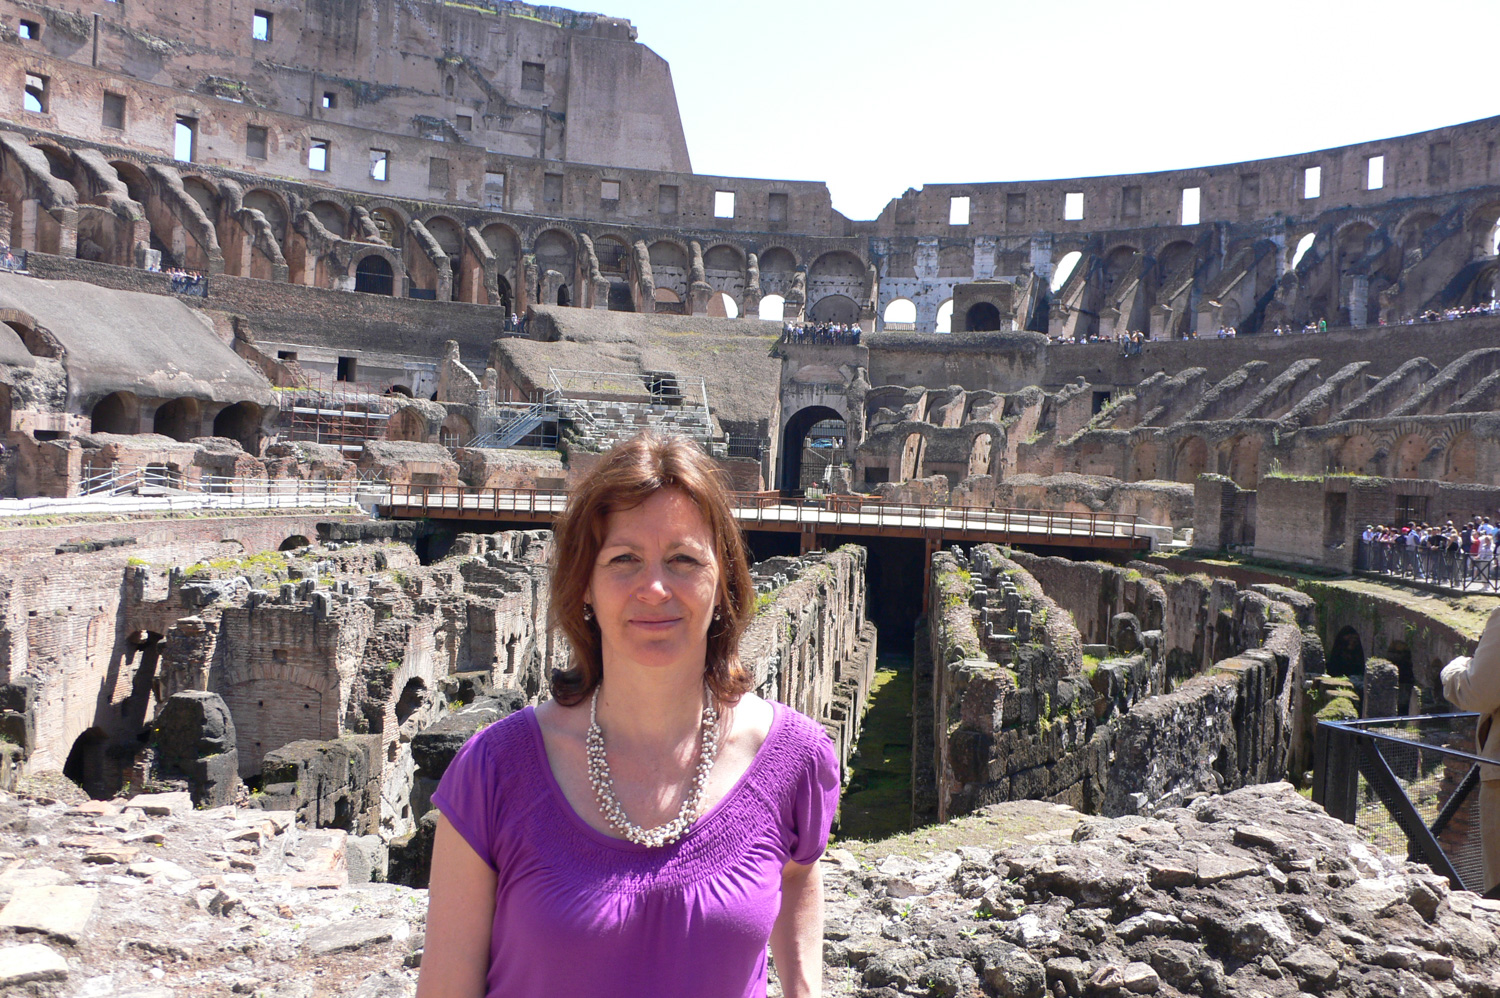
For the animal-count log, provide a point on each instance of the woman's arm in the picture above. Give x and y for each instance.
(460, 918)
(797, 936)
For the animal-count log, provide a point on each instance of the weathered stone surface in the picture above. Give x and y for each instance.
(60, 912)
(196, 739)
(355, 934)
(30, 963)
(161, 805)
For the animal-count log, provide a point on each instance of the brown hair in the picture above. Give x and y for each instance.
(627, 476)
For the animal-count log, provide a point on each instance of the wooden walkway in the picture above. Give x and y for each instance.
(836, 516)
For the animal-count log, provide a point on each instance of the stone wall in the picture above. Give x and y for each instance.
(810, 645)
(64, 625)
(1187, 686)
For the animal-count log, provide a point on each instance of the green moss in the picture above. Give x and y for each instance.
(1339, 709)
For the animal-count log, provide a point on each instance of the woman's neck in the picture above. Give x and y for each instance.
(660, 707)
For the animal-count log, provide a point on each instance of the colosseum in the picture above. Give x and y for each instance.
(1082, 491)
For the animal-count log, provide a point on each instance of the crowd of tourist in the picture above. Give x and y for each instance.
(821, 333)
(1459, 556)
(1321, 326)
(1491, 307)
(184, 282)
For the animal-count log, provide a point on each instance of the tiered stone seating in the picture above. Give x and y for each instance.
(599, 424)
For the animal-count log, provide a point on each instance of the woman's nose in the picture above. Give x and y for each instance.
(653, 583)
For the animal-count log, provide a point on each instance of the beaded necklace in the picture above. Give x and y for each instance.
(604, 783)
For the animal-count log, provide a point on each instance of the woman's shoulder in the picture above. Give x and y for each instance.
(505, 738)
(798, 745)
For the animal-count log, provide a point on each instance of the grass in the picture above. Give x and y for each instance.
(878, 801)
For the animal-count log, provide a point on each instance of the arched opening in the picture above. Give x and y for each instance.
(506, 300)
(1346, 655)
(1064, 269)
(900, 314)
(36, 344)
(240, 422)
(413, 698)
(373, 276)
(114, 413)
(836, 273)
(1244, 462)
(293, 543)
(1192, 459)
(407, 424)
(455, 431)
(983, 317)
(177, 419)
(1462, 460)
(271, 206)
(799, 435)
(835, 308)
(721, 306)
(85, 764)
(331, 216)
(203, 192)
(777, 266)
(772, 308)
(945, 317)
(389, 224)
(564, 296)
(1409, 455)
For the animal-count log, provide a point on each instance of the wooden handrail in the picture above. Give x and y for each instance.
(830, 511)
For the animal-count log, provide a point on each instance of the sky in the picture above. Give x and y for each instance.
(877, 96)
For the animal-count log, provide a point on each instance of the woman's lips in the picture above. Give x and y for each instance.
(662, 624)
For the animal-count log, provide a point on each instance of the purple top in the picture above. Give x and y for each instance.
(579, 913)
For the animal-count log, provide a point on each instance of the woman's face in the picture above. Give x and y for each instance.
(654, 585)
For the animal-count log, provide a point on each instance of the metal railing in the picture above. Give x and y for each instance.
(167, 481)
(1435, 566)
(12, 260)
(1412, 784)
(770, 508)
(522, 427)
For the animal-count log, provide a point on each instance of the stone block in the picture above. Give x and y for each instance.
(195, 738)
(32, 963)
(60, 912)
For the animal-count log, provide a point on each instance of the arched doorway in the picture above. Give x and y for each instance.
(85, 764)
(1346, 656)
(413, 698)
(772, 308)
(177, 419)
(945, 317)
(796, 436)
(983, 317)
(114, 413)
(240, 422)
(373, 276)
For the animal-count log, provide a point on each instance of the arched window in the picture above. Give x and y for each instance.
(772, 308)
(901, 314)
(721, 306)
(945, 317)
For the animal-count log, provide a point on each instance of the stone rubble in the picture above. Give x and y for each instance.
(1255, 894)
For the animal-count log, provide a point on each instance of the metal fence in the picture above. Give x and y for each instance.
(1436, 566)
(1411, 783)
(13, 261)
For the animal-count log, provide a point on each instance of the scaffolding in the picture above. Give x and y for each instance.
(342, 414)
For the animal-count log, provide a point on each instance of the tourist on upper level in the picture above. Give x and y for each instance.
(652, 826)
(1473, 683)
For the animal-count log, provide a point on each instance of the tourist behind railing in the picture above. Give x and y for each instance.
(188, 282)
(1473, 683)
(1444, 555)
(821, 334)
(12, 261)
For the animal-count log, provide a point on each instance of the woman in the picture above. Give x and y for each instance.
(653, 825)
